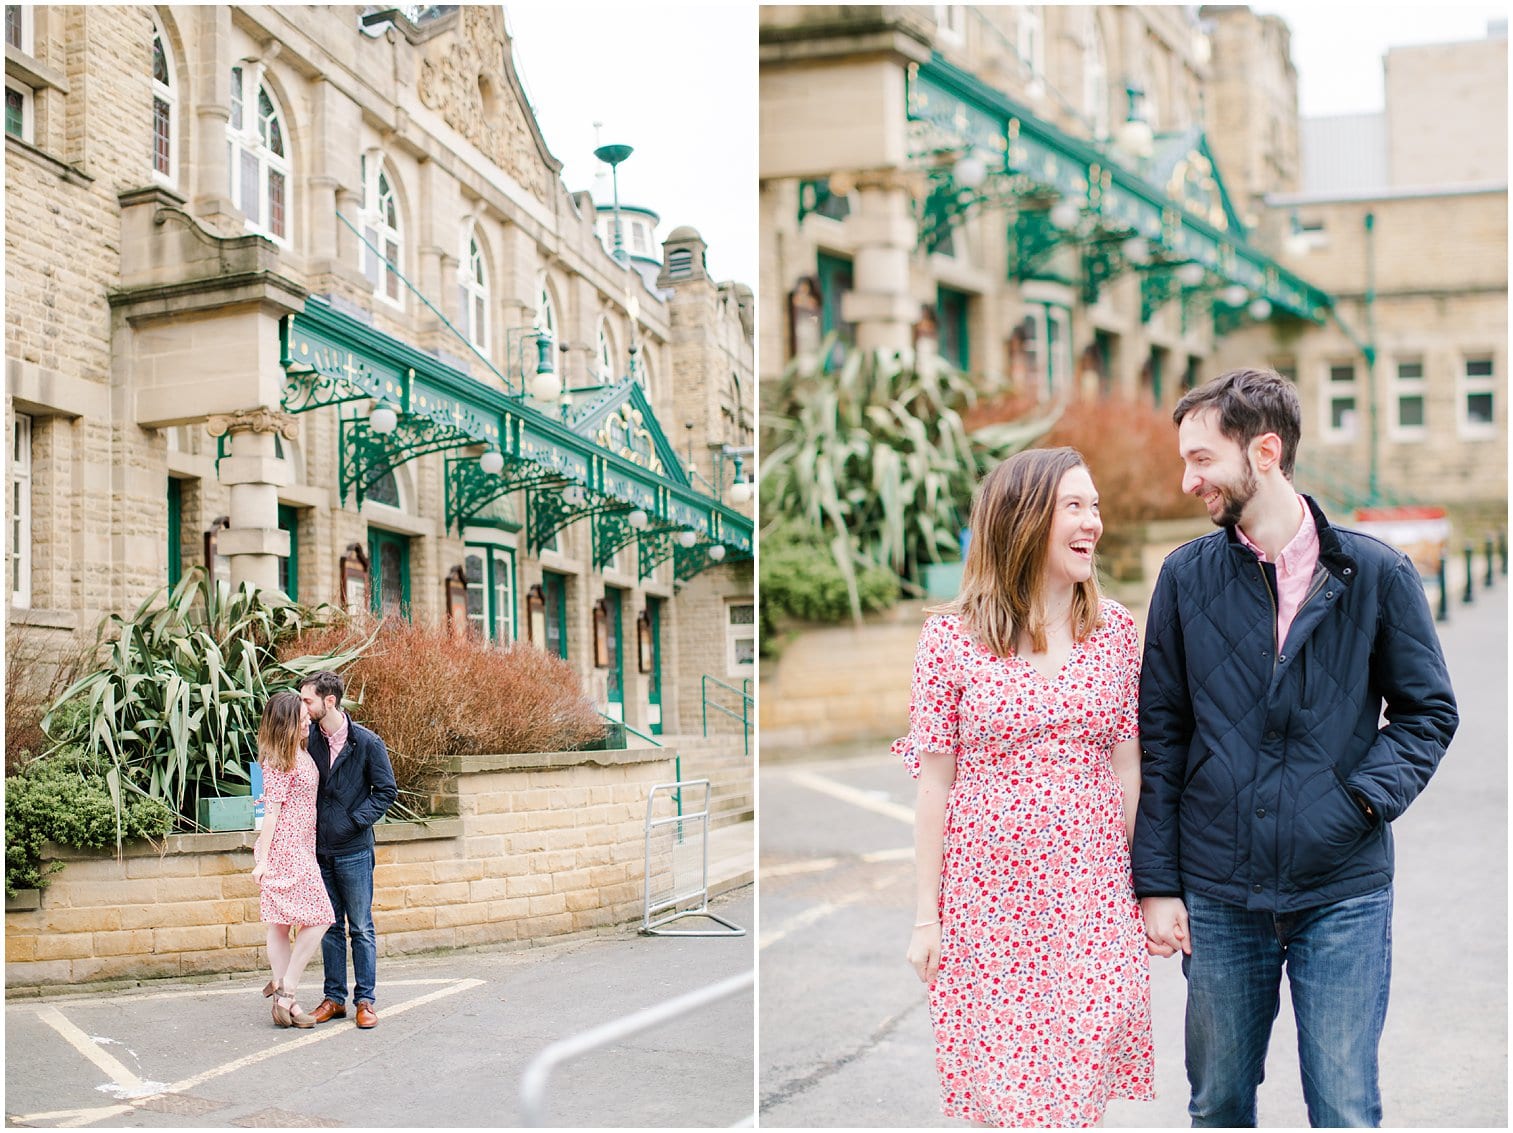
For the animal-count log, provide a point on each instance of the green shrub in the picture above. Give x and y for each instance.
(60, 798)
(800, 579)
(174, 694)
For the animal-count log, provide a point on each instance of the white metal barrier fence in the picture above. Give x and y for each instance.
(662, 909)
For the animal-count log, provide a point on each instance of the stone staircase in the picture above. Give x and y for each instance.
(731, 773)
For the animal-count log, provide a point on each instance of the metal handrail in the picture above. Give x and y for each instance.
(747, 703)
(677, 758)
(533, 1081)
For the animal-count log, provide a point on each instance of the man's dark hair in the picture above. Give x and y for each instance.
(1250, 404)
(325, 684)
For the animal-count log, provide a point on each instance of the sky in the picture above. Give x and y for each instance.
(678, 83)
(1338, 48)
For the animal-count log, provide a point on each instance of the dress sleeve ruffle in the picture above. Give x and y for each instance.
(935, 700)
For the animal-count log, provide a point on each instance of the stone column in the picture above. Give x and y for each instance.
(879, 305)
(254, 542)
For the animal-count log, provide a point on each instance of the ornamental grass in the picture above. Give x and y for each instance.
(432, 694)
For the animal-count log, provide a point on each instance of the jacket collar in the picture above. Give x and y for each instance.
(1332, 554)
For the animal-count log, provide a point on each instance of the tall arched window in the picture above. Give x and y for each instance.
(604, 357)
(380, 213)
(1094, 77)
(473, 287)
(165, 97)
(546, 310)
(258, 155)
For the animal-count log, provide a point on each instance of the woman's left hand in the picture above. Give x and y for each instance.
(258, 871)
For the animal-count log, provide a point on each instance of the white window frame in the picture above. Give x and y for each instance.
(736, 633)
(1095, 77)
(1333, 391)
(497, 621)
(1051, 369)
(1029, 38)
(168, 94)
(28, 44)
(473, 287)
(1470, 385)
(247, 139)
(604, 355)
(20, 504)
(1408, 387)
(546, 308)
(950, 23)
(28, 111)
(377, 191)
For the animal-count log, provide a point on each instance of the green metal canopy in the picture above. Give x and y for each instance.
(608, 462)
(1175, 202)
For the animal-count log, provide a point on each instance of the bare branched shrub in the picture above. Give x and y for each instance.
(433, 695)
(34, 678)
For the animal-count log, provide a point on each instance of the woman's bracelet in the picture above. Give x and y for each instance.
(926, 924)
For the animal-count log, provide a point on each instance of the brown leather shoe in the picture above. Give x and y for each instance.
(366, 1016)
(328, 1011)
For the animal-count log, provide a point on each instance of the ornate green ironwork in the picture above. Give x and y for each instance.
(621, 458)
(654, 549)
(1033, 240)
(1158, 285)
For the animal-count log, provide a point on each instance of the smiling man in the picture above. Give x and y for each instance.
(1263, 841)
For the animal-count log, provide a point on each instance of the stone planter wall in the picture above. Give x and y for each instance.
(537, 845)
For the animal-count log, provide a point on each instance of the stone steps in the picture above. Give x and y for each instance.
(723, 761)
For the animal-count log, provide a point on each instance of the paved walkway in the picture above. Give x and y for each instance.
(845, 1038)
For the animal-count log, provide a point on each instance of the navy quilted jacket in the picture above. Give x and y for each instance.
(1250, 755)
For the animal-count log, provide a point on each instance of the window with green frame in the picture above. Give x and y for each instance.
(554, 589)
(490, 573)
(951, 314)
(175, 532)
(835, 275)
(288, 565)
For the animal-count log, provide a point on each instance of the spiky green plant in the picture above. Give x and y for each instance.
(873, 454)
(172, 706)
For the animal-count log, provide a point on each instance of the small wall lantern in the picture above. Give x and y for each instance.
(456, 584)
(535, 616)
(353, 571)
(643, 641)
(601, 634)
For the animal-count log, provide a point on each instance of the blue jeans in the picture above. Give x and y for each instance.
(1339, 962)
(349, 884)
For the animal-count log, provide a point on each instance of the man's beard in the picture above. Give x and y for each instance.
(1235, 501)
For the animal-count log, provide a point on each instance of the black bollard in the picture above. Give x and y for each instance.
(1468, 596)
(1443, 613)
(1487, 582)
(1502, 551)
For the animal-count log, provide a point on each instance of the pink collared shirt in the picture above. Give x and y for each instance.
(1295, 566)
(338, 739)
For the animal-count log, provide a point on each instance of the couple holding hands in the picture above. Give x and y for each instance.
(1226, 794)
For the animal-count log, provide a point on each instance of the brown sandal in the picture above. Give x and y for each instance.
(292, 1015)
(269, 989)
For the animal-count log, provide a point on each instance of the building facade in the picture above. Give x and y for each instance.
(1085, 200)
(298, 293)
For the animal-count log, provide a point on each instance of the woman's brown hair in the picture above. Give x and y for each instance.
(1003, 580)
(280, 736)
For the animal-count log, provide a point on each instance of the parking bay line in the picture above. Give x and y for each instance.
(863, 799)
(80, 1117)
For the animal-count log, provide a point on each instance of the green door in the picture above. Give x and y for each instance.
(389, 565)
(654, 679)
(616, 676)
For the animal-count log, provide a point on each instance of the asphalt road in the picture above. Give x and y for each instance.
(456, 1031)
(844, 1034)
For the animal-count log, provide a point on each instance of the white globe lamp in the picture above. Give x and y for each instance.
(383, 420)
(492, 462)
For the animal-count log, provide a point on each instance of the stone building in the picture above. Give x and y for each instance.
(1093, 199)
(298, 293)
(1402, 216)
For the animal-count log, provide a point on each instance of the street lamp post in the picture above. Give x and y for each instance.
(613, 156)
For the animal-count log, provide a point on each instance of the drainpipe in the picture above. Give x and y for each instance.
(1369, 350)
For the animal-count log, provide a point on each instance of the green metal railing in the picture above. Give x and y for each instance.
(744, 715)
(1339, 489)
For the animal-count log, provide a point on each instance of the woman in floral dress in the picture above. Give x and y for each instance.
(284, 866)
(1023, 737)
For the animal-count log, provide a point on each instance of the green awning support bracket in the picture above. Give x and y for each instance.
(470, 489)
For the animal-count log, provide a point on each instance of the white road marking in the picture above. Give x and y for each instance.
(237, 989)
(76, 1118)
(867, 800)
(803, 920)
(820, 865)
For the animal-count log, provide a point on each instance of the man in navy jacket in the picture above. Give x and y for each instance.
(356, 788)
(1269, 781)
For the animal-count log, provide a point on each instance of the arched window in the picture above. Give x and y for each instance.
(258, 155)
(381, 228)
(546, 311)
(604, 358)
(1094, 77)
(473, 286)
(165, 97)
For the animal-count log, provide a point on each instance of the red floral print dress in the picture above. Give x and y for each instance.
(292, 889)
(1041, 1006)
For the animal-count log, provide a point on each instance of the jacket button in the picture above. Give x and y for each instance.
(1347, 571)
(1281, 657)
(1255, 888)
(1329, 594)
(1271, 735)
(1261, 813)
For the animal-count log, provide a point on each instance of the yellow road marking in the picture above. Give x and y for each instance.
(114, 1069)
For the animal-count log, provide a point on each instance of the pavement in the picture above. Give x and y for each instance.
(845, 1038)
(456, 1033)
